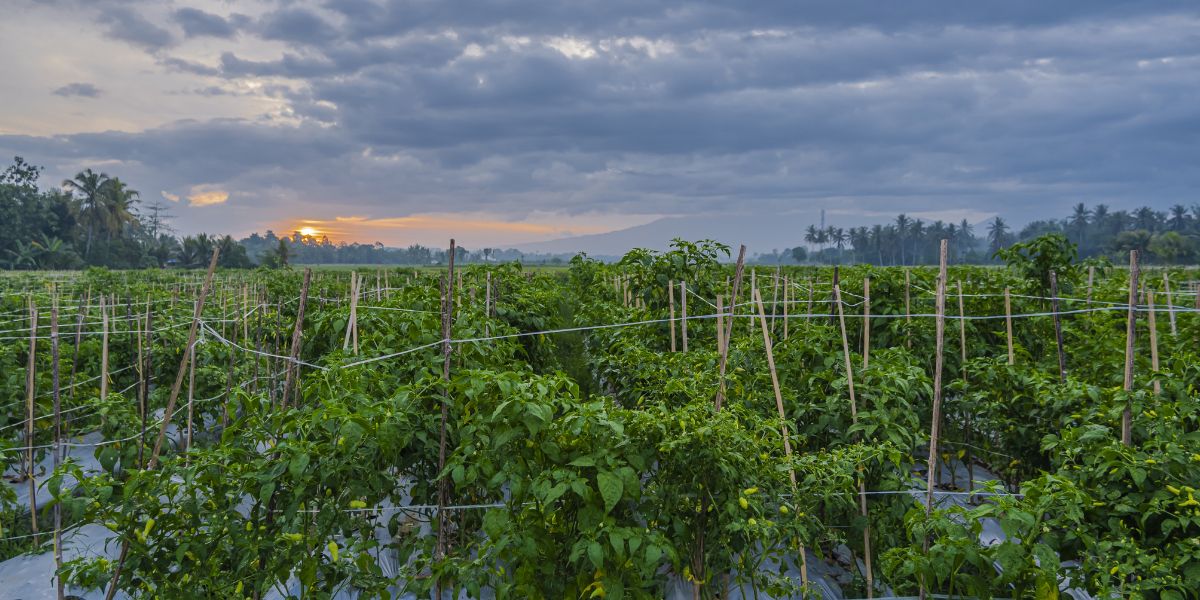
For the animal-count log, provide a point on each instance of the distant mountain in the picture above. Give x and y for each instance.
(760, 233)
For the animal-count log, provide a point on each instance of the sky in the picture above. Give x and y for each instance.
(513, 121)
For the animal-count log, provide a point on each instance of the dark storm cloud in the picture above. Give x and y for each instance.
(125, 24)
(1020, 108)
(84, 90)
(196, 23)
(297, 25)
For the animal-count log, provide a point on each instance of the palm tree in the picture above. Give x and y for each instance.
(877, 241)
(1100, 218)
(89, 184)
(998, 234)
(1079, 222)
(902, 225)
(810, 234)
(916, 231)
(117, 202)
(1146, 218)
(1179, 217)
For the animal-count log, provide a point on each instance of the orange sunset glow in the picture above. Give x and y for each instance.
(475, 228)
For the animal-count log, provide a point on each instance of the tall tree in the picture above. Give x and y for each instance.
(998, 234)
(89, 185)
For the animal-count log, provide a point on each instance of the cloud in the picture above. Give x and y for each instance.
(126, 25)
(206, 195)
(197, 23)
(296, 24)
(169, 196)
(83, 90)
(650, 108)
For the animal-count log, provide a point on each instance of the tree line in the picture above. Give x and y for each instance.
(95, 219)
(1165, 237)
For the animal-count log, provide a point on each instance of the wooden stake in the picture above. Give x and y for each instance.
(30, 393)
(787, 291)
(83, 310)
(1091, 276)
(775, 298)
(1152, 323)
(783, 428)
(862, 490)
(1130, 336)
(1058, 335)
(103, 351)
(1170, 303)
(443, 483)
(292, 369)
(720, 322)
(190, 398)
(962, 331)
(683, 311)
(353, 313)
(1008, 325)
(907, 309)
(671, 311)
(175, 389)
(808, 317)
(57, 449)
(866, 349)
(724, 358)
(935, 427)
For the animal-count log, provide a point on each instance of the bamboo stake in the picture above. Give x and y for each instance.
(720, 322)
(808, 317)
(292, 369)
(353, 314)
(753, 287)
(683, 311)
(190, 397)
(786, 303)
(671, 311)
(175, 389)
(443, 483)
(57, 449)
(935, 427)
(907, 309)
(724, 358)
(1008, 325)
(866, 350)
(783, 428)
(775, 297)
(862, 490)
(1130, 336)
(30, 392)
(78, 339)
(1153, 325)
(103, 351)
(1170, 303)
(1091, 276)
(962, 330)
(1058, 335)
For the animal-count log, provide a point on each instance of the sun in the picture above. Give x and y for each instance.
(308, 231)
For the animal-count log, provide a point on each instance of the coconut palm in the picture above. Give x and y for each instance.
(998, 234)
(116, 205)
(89, 185)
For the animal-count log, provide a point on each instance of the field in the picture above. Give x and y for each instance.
(606, 430)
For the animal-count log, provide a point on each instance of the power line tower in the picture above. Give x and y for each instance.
(157, 218)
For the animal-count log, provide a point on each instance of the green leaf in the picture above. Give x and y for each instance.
(610, 489)
(653, 553)
(596, 554)
(298, 465)
(264, 493)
